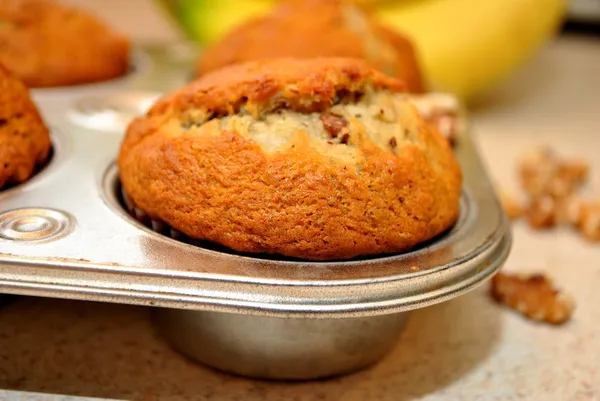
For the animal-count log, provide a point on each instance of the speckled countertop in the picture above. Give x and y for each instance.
(468, 348)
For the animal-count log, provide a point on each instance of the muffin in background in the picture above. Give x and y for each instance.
(318, 159)
(24, 138)
(47, 44)
(317, 28)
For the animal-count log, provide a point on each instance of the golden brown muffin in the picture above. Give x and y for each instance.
(311, 158)
(48, 44)
(317, 28)
(24, 139)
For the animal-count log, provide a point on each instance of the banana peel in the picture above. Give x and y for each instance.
(466, 47)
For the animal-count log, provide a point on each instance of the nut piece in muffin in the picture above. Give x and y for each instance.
(47, 44)
(310, 158)
(24, 139)
(317, 28)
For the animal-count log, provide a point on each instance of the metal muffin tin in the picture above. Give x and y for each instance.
(65, 233)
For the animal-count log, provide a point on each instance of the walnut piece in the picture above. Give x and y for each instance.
(589, 221)
(533, 296)
(511, 206)
(568, 211)
(569, 177)
(552, 184)
(333, 124)
(541, 212)
(543, 173)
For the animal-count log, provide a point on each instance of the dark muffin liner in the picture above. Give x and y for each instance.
(160, 227)
(157, 226)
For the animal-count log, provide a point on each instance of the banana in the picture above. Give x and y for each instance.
(208, 20)
(466, 47)
(469, 46)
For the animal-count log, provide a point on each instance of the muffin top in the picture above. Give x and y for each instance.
(310, 158)
(48, 44)
(24, 139)
(317, 28)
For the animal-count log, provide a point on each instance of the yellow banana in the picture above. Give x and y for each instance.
(468, 46)
(208, 20)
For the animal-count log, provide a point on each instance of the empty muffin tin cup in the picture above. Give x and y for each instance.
(289, 346)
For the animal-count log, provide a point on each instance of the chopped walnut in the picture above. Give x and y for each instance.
(533, 296)
(541, 212)
(536, 169)
(512, 207)
(568, 210)
(552, 185)
(333, 124)
(569, 177)
(589, 222)
(542, 173)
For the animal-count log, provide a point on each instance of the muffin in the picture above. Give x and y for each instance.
(24, 139)
(47, 44)
(317, 28)
(317, 159)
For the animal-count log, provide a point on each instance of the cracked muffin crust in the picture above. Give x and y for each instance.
(24, 139)
(317, 28)
(48, 44)
(316, 159)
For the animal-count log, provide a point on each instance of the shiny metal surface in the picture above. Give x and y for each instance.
(110, 113)
(35, 224)
(281, 348)
(108, 256)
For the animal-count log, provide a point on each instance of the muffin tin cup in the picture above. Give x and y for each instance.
(68, 233)
(272, 348)
(277, 348)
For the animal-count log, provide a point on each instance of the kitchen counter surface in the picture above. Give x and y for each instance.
(468, 348)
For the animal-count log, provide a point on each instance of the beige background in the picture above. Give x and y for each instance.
(468, 348)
